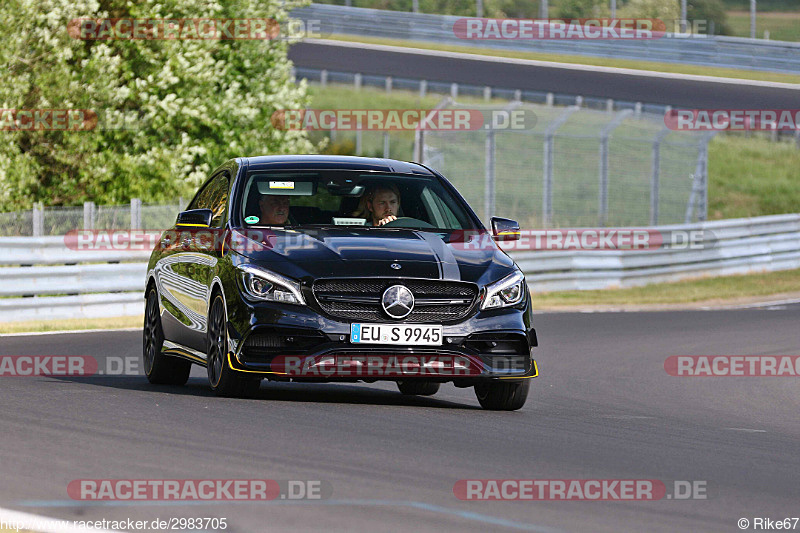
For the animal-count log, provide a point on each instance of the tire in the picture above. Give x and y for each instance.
(502, 396)
(160, 369)
(418, 388)
(224, 381)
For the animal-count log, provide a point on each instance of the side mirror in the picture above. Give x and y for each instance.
(504, 229)
(195, 217)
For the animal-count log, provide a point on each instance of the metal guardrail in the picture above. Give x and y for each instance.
(54, 289)
(734, 52)
(746, 245)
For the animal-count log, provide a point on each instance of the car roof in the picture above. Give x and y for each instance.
(333, 162)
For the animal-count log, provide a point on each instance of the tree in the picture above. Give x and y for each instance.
(575, 9)
(654, 9)
(711, 11)
(194, 103)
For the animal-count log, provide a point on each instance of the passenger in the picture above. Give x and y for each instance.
(380, 204)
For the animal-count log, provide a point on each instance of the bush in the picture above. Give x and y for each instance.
(710, 10)
(575, 9)
(196, 102)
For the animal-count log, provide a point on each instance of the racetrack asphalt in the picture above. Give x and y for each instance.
(564, 79)
(602, 408)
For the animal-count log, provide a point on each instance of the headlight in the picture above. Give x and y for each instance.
(504, 293)
(262, 284)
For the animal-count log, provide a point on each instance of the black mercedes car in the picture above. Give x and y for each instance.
(331, 268)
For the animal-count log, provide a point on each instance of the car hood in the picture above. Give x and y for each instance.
(370, 252)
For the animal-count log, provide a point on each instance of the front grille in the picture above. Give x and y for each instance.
(360, 299)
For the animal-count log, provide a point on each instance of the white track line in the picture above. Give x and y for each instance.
(554, 64)
(42, 524)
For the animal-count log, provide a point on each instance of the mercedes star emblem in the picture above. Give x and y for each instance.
(397, 301)
(396, 266)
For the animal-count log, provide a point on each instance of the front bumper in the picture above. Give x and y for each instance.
(493, 345)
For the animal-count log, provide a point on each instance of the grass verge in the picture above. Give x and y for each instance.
(675, 68)
(39, 326)
(719, 290)
(753, 176)
(781, 26)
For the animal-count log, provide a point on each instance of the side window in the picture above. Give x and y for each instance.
(440, 213)
(214, 196)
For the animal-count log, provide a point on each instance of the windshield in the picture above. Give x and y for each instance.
(350, 198)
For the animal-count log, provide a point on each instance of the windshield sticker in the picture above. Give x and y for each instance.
(347, 221)
(251, 220)
(281, 185)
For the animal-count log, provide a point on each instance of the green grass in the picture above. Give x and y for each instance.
(781, 26)
(72, 324)
(752, 177)
(675, 68)
(763, 5)
(706, 290)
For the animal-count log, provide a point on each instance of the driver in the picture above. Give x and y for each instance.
(380, 204)
(274, 209)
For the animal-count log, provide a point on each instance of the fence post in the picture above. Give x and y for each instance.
(323, 78)
(487, 93)
(549, 100)
(388, 84)
(136, 213)
(703, 215)
(386, 145)
(655, 176)
(88, 215)
(547, 164)
(579, 101)
(37, 219)
(602, 216)
(419, 134)
(518, 95)
(423, 88)
(359, 135)
(453, 91)
(357, 81)
(489, 184)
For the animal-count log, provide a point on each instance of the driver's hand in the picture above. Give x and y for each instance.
(383, 221)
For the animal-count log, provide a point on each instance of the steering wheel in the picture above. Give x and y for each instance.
(407, 222)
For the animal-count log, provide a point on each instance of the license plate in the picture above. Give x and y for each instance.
(414, 335)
